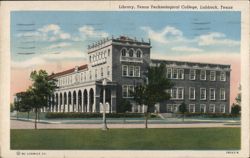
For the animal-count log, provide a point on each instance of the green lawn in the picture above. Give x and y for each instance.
(132, 139)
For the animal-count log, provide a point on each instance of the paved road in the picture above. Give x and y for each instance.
(18, 124)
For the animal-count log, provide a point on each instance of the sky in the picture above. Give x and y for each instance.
(58, 40)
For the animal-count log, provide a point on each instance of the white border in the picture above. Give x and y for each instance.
(6, 7)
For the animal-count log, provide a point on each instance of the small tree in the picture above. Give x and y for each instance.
(235, 110)
(125, 106)
(182, 110)
(154, 91)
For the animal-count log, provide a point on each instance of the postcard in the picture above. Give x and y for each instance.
(124, 79)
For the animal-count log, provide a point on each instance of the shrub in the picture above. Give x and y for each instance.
(210, 115)
(51, 115)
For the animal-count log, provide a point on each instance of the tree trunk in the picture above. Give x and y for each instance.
(183, 115)
(146, 119)
(36, 118)
(16, 114)
(124, 117)
(28, 115)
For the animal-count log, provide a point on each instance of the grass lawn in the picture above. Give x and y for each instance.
(132, 139)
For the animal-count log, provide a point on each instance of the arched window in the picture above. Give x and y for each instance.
(138, 53)
(123, 51)
(108, 52)
(89, 58)
(131, 53)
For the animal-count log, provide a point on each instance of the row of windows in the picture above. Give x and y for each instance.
(131, 52)
(178, 93)
(99, 55)
(83, 77)
(131, 71)
(175, 73)
(202, 108)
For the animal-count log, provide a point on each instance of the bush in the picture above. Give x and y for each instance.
(51, 115)
(210, 115)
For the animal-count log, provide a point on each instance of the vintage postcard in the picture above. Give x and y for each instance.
(124, 79)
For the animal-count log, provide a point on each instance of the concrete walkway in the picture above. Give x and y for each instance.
(21, 124)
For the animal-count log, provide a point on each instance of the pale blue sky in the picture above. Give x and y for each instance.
(53, 35)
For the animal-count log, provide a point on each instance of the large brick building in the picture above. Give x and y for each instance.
(121, 63)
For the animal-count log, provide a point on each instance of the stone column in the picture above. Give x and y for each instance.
(94, 102)
(82, 100)
(72, 104)
(77, 110)
(88, 96)
(113, 100)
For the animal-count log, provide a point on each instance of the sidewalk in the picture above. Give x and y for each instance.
(76, 124)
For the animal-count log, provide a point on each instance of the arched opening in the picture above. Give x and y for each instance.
(131, 53)
(64, 101)
(56, 108)
(60, 106)
(79, 100)
(91, 100)
(85, 100)
(69, 101)
(74, 101)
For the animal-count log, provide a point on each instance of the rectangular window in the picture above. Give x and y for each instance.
(203, 108)
(108, 71)
(222, 94)
(222, 108)
(175, 73)
(124, 70)
(101, 72)
(131, 71)
(192, 108)
(203, 75)
(212, 108)
(90, 75)
(130, 90)
(192, 93)
(181, 73)
(192, 74)
(125, 91)
(169, 73)
(223, 76)
(203, 94)
(169, 108)
(212, 75)
(212, 94)
(175, 107)
(137, 71)
(180, 93)
(96, 73)
(174, 93)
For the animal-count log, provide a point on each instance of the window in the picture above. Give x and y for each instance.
(169, 108)
(124, 70)
(192, 74)
(181, 73)
(175, 108)
(177, 93)
(175, 73)
(169, 73)
(203, 75)
(131, 53)
(192, 93)
(203, 108)
(180, 93)
(101, 72)
(123, 52)
(223, 76)
(137, 71)
(222, 94)
(192, 108)
(222, 108)
(203, 94)
(108, 71)
(212, 94)
(127, 91)
(174, 93)
(131, 71)
(212, 108)
(212, 75)
(90, 75)
(90, 59)
(96, 73)
(108, 52)
(138, 53)
(84, 76)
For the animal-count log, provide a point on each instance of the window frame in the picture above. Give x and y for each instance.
(204, 95)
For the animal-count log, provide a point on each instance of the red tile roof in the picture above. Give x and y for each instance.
(82, 67)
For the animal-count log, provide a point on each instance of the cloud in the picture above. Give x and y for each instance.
(166, 35)
(50, 32)
(71, 55)
(187, 49)
(90, 31)
(59, 45)
(216, 38)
